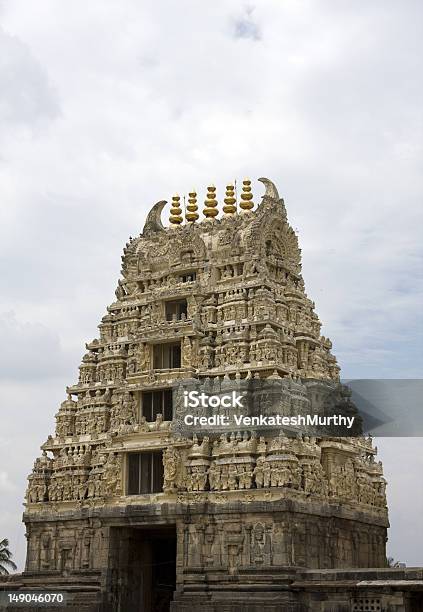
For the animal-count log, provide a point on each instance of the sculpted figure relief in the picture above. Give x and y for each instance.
(113, 475)
(171, 460)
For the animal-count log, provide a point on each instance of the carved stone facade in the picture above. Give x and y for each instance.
(246, 509)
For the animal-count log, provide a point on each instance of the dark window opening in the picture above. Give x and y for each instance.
(166, 356)
(176, 310)
(187, 278)
(145, 473)
(157, 402)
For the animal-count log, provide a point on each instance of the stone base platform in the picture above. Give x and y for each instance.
(285, 590)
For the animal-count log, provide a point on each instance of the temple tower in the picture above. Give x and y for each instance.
(119, 498)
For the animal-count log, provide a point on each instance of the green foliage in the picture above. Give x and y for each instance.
(5, 558)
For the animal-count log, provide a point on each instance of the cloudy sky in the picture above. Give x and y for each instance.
(107, 107)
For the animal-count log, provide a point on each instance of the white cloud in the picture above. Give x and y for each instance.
(29, 350)
(26, 97)
(5, 483)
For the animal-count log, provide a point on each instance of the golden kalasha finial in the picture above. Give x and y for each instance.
(230, 200)
(246, 196)
(192, 208)
(175, 217)
(210, 209)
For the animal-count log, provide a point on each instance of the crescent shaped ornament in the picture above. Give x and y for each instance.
(153, 222)
(271, 191)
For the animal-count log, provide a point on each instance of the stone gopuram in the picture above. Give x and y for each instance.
(125, 514)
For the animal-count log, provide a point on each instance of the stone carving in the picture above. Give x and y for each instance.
(170, 464)
(186, 352)
(112, 475)
(45, 551)
(123, 413)
(153, 222)
(260, 545)
(143, 357)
